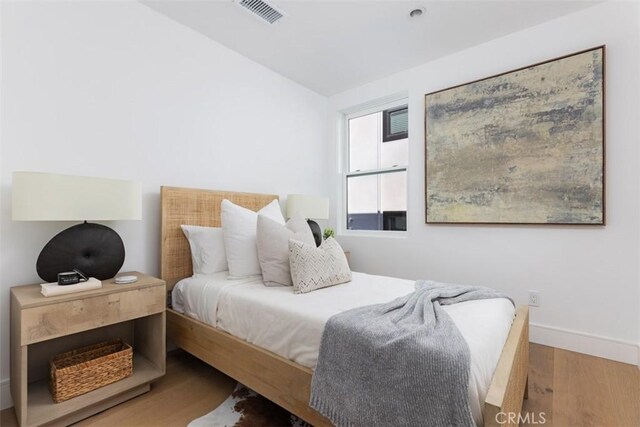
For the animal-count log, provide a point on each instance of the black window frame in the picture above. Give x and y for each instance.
(387, 136)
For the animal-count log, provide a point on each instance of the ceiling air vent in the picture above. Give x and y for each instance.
(262, 10)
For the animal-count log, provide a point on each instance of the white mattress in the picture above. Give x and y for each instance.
(291, 325)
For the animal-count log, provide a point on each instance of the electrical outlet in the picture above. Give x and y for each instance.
(534, 298)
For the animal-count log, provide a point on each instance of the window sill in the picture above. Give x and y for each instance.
(374, 233)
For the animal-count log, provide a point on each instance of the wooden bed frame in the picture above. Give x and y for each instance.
(278, 379)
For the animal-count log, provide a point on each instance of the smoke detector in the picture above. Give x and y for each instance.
(261, 9)
(416, 13)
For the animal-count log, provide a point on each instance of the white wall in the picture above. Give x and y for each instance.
(638, 259)
(114, 89)
(588, 276)
(5, 398)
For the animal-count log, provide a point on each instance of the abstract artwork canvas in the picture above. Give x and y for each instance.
(522, 147)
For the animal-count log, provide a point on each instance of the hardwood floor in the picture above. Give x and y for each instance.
(571, 389)
(574, 389)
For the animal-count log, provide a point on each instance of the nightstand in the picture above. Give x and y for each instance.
(43, 327)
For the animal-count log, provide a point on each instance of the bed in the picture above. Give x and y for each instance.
(285, 378)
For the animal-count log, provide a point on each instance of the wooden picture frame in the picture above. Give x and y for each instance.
(526, 146)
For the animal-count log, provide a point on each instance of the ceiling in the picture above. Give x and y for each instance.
(331, 46)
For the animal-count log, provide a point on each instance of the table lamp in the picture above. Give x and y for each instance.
(95, 249)
(310, 207)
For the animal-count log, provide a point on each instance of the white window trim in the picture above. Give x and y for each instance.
(343, 165)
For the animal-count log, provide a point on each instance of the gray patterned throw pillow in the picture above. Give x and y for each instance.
(314, 268)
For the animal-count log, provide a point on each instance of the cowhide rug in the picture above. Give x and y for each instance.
(246, 408)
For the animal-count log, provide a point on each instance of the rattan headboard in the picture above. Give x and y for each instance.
(194, 207)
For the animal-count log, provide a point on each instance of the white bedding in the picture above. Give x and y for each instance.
(291, 325)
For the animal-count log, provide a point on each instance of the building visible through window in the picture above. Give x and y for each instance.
(395, 124)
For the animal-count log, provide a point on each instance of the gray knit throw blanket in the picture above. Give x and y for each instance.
(402, 363)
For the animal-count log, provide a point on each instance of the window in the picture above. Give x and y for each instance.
(395, 124)
(376, 170)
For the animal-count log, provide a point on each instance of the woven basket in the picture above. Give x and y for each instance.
(85, 369)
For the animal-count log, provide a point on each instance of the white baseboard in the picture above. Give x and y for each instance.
(595, 345)
(5, 394)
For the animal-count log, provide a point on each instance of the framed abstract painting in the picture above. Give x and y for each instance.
(521, 147)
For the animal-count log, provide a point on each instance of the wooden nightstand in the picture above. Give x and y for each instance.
(42, 327)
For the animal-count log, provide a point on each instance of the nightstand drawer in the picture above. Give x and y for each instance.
(52, 321)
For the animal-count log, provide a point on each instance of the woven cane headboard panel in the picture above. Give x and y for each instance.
(193, 207)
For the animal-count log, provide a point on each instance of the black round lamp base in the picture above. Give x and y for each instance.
(316, 231)
(94, 249)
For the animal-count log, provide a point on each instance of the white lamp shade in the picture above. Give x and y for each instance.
(53, 197)
(310, 207)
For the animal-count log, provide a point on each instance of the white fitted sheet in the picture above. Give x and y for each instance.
(291, 325)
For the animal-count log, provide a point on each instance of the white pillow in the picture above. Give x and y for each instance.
(314, 268)
(273, 247)
(207, 249)
(239, 231)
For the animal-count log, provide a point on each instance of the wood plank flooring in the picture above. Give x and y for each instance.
(571, 389)
(574, 389)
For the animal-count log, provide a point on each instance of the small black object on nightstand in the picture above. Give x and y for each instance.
(71, 277)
